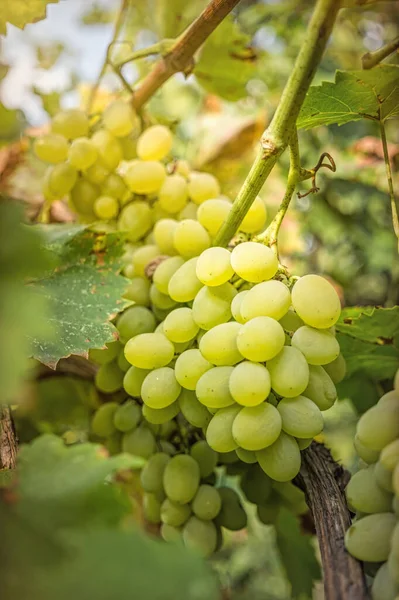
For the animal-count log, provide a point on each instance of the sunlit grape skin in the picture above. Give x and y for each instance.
(316, 301)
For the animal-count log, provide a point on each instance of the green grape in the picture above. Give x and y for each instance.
(135, 219)
(127, 416)
(61, 179)
(181, 479)
(163, 232)
(159, 300)
(268, 513)
(368, 539)
(383, 477)
(254, 262)
(171, 534)
(173, 194)
(255, 219)
(206, 458)
(103, 420)
(378, 426)
(318, 347)
(139, 291)
(393, 566)
(369, 456)
(154, 143)
(316, 301)
(200, 536)
(212, 214)
(290, 321)
(133, 321)
(106, 207)
(336, 369)
(300, 417)
(100, 356)
(167, 447)
(143, 256)
(321, 390)
(179, 346)
(108, 147)
(149, 351)
(160, 388)
(83, 195)
(256, 427)
(384, 586)
(289, 372)
(97, 173)
(389, 399)
(82, 153)
(389, 457)
(179, 325)
(168, 428)
(114, 186)
(212, 306)
(207, 503)
(190, 238)
(184, 283)
(109, 378)
(260, 339)
(192, 410)
(304, 443)
(364, 495)
(133, 380)
(290, 493)
(232, 515)
(151, 508)
(139, 442)
(256, 485)
(249, 383)
(396, 381)
(151, 475)
(189, 367)
(236, 306)
(219, 345)
(212, 388)
(71, 124)
(51, 148)
(246, 456)
(282, 460)
(174, 514)
(119, 118)
(113, 444)
(188, 212)
(266, 299)
(202, 186)
(213, 266)
(123, 364)
(219, 431)
(159, 416)
(144, 177)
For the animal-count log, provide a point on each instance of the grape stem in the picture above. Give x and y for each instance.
(394, 200)
(371, 59)
(277, 136)
(8, 440)
(180, 56)
(323, 482)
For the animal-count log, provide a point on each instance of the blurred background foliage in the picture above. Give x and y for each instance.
(218, 114)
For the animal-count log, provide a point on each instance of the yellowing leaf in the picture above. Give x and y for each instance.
(22, 12)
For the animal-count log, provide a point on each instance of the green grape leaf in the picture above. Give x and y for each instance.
(22, 12)
(84, 292)
(235, 65)
(172, 18)
(297, 554)
(21, 310)
(368, 340)
(361, 390)
(354, 95)
(68, 532)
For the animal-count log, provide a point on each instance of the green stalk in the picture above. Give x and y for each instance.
(276, 137)
(394, 200)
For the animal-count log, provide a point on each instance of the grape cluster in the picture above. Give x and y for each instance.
(373, 494)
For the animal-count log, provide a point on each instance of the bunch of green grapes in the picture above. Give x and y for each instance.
(373, 494)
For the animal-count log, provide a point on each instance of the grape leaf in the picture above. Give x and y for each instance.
(368, 340)
(354, 95)
(297, 554)
(66, 534)
(173, 17)
(235, 65)
(84, 292)
(21, 311)
(361, 390)
(22, 12)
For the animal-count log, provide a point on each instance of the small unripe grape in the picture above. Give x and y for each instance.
(255, 219)
(336, 369)
(127, 416)
(254, 262)
(134, 321)
(97, 173)
(207, 503)
(82, 153)
(192, 410)
(160, 388)
(119, 118)
(163, 232)
(61, 179)
(139, 442)
(232, 514)
(139, 291)
(219, 432)
(109, 378)
(103, 420)
(152, 473)
(106, 207)
(184, 283)
(165, 271)
(190, 238)
(114, 186)
(108, 148)
(71, 124)
(135, 219)
(202, 186)
(152, 508)
(51, 148)
(212, 305)
(213, 213)
(154, 143)
(316, 301)
(206, 457)
(133, 380)
(200, 536)
(159, 416)
(174, 514)
(181, 479)
(256, 485)
(145, 177)
(83, 195)
(320, 389)
(173, 194)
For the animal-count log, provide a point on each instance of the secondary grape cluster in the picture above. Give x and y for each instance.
(373, 494)
(223, 364)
